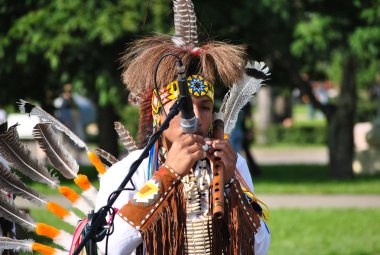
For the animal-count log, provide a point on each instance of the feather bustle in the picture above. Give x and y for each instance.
(59, 157)
(11, 183)
(26, 107)
(7, 243)
(22, 158)
(11, 213)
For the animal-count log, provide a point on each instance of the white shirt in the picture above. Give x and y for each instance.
(126, 238)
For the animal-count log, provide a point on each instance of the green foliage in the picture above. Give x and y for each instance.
(296, 135)
(130, 119)
(333, 69)
(328, 37)
(45, 44)
(313, 35)
(366, 111)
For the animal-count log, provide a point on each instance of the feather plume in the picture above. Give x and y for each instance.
(125, 137)
(60, 237)
(28, 245)
(26, 107)
(7, 243)
(185, 22)
(96, 162)
(59, 157)
(242, 92)
(47, 250)
(11, 183)
(22, 158)
(11, 213)
(106, 156)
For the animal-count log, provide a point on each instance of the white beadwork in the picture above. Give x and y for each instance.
(196, 190)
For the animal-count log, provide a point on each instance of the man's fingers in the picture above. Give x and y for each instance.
(188, 139)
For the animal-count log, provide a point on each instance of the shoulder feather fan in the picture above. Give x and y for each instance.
(29, 246)
(10, 212)
(11, 183)
(59, 157)
(26, 107)
(7, 243)
(242, 92)
(22, 158)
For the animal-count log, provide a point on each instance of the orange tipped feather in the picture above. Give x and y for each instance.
(46, 250)
(69, 193)
(43, 229)
(82, 181)
(57, 210)
(96, 162)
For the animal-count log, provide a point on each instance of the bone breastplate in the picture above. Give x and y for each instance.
(198, 220)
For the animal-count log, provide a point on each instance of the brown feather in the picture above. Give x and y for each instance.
(146, 119)
(107, 156)
(23, 159)
(125, 137)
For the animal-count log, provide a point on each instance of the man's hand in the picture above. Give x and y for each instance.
(184, 152)
(222, 149)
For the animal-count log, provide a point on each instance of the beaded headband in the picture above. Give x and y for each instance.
(198, 86)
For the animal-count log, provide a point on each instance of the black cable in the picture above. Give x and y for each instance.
(155, 75)
(111, 210)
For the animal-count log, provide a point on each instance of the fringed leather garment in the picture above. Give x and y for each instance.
(174, 215)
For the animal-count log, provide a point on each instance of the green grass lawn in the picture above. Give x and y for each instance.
(275, 179)
(310, 179)
(325, 231)
(300, 231)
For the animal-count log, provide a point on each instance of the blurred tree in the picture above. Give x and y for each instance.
(337, 40)
(342, 40)
(45, 44)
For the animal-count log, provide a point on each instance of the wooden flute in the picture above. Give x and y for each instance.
(218, 173)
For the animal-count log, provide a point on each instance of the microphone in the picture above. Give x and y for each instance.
(188, 120)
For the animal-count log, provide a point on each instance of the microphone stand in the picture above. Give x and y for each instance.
(98, 219)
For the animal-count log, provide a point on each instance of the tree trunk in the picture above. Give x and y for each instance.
(264, 111)
(341, 124)
(107, 134)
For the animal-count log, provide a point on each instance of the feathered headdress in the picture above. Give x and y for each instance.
(218, 62)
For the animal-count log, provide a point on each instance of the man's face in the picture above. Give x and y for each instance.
(203, 110)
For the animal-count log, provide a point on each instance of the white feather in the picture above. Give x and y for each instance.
(7, 243)
(240, 94)
(26, 107)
